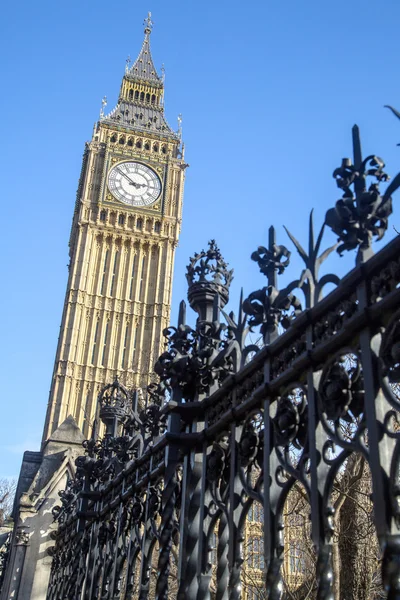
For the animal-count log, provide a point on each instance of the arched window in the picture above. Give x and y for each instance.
(142, 96)
(86, 413)
(103, 356)
(139, 144)
(142, 278)
(256, 553)
(130, 142)
(96, 333)
(147, 146)
(132, 277)
(130, 94)
(136, 95)
(164, 149)
(122, 140)
(256, 513)
(121, 219)
(139, 224)
(103, 215)
(157, 226)
(114, 272)
(147, 97)
(213, 547)
(155, 148)
(125, 345)
(297, 563)
(113, 138)
(103, 279)
(153, 99)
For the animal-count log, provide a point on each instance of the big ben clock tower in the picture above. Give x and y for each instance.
(124, 233)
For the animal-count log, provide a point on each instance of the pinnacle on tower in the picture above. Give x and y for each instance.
(143, 68)
(140, 104)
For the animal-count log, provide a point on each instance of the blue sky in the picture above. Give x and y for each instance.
(268, 91)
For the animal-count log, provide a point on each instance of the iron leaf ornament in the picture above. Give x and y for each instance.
(290, 421)
(237, 331)
(276, 258)
(362, 213)
(270, 307)
(309, 280)
(342, 389)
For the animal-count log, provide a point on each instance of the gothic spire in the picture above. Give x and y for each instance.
(143, 68)
(140, 104)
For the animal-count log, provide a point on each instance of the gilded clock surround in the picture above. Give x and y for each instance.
(121, 257)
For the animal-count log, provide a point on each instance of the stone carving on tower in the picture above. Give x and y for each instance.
(124, 234)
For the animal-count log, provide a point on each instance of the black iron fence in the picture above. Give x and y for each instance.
(161, 502)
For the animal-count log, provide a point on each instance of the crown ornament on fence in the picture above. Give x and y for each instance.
(198, 359)
(207, 275)
(115, 405)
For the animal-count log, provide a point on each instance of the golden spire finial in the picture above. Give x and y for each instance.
(148, 23)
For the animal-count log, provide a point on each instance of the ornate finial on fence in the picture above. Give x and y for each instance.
(115, 405)
(272, 260)
(361, 213)
(208, 275)
(198, 359)
(270, 307)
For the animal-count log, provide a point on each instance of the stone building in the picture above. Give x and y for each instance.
(125, 230)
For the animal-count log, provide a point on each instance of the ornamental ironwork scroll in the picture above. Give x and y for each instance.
(163, 501)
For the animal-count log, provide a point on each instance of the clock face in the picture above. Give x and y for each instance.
(134, 183)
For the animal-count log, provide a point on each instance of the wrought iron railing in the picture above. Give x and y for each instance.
(230, 425)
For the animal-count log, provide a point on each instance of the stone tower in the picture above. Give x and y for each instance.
(124, 234)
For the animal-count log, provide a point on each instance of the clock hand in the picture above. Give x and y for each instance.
(142, 185)
(136, 185)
